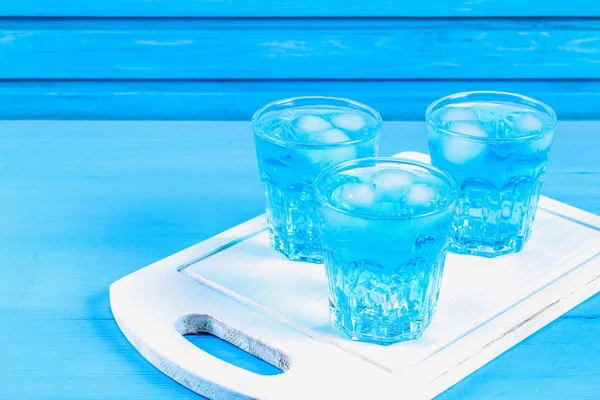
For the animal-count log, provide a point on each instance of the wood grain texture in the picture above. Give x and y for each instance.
(75, 360)
(238, 100)
(84, 203)
(296, 8)
(300, 49)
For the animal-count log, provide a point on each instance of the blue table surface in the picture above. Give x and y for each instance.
(83, 204)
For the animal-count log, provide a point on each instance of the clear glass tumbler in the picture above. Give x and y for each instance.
(385, 224)
(496, 146)
(295, 140)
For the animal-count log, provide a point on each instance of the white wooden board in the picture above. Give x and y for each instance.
(234, 286)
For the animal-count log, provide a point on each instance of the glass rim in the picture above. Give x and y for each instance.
(449, 180)
(370, 133)
(538, 134)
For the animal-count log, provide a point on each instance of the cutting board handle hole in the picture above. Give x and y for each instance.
(208, 334)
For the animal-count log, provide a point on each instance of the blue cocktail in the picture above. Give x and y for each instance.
(295, 140)
(496, 145)
(385, 225)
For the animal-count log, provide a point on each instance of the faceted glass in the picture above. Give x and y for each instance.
(385, 224)
(295, 140)
(496, 145)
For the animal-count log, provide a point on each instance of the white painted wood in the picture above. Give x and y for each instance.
(239, 289)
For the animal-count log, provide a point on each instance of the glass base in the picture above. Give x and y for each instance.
(493, 221)
(296, 249)
(365, 330)
(293, 228)
(372, 303)
(487, 249)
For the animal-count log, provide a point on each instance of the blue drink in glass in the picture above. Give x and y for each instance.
(496, 146)
(385, 225)
(295, 140)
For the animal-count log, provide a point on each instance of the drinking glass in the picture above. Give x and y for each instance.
(385, 224)
(295, 140)
(496, 145)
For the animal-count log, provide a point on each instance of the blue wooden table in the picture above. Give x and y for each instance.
(84, 203)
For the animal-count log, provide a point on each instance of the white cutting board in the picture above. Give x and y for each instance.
(235, 287)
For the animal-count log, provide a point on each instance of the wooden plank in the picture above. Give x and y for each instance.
(238, 100)
(43, 357)
(297, 8)
(300, 49)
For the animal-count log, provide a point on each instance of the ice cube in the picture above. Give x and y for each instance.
(458, 114)
(354, 195)
(311, 123)
(468, 128)
(420, 195)
(349, 122)
(542, 144)
(427, 178)
(392, 185)
(330, 136)
(327, 157)
(459, 150)
(333, 155)
(527, 123)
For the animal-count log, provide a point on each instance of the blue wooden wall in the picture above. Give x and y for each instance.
(222, 59)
